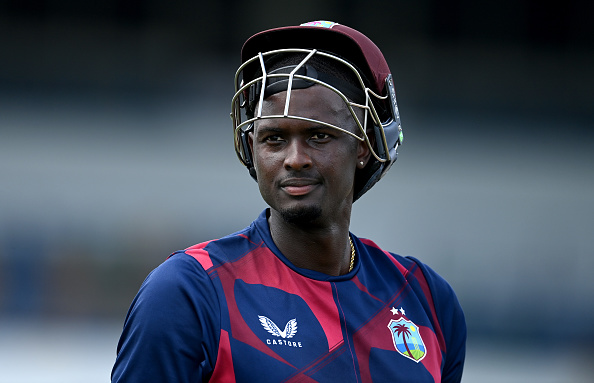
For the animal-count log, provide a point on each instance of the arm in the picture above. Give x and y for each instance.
(451, 321)
(453, 325)
(171, 331)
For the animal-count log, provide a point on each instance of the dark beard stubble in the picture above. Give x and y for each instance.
(301, 215)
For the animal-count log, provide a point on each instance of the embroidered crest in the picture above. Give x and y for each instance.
(406, 337)
(289, 331)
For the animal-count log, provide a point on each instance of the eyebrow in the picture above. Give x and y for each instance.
(268, 129)
(309, 129)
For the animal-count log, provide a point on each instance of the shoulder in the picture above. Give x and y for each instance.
(178, 271)
(179, 285)
(382, 258)
(173, 315)
(412, 269)
(440, 288)
(214, 253)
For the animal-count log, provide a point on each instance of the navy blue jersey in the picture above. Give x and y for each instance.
(236, 310)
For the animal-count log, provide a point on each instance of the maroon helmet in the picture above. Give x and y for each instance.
(370, 87)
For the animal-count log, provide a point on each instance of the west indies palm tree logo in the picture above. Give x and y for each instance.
(406, 337)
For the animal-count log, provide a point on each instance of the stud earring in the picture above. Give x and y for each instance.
(361, 163)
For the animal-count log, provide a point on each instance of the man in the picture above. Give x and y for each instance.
(296, 296)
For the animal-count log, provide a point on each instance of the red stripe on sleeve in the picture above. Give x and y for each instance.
(198, 253)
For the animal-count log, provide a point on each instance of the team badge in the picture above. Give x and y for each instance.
(406, 337)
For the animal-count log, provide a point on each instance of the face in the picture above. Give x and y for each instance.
(306, 170)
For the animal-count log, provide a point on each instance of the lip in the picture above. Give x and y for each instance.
(298, 186)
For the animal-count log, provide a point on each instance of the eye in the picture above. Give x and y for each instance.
(272, 138)
(320, 136)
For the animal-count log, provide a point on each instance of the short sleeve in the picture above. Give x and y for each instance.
(171, 330)
(452, 322)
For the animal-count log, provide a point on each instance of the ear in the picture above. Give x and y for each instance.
(363, 153)
(250, 143)
(250, 138)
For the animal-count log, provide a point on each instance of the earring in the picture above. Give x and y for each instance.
(361, 163)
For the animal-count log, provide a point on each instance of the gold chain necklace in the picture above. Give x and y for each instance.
(352, 255)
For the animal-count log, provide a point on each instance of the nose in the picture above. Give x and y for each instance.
(297, 157)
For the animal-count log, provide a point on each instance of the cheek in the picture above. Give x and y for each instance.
(343, 168)
(256, 156)
(264, 163)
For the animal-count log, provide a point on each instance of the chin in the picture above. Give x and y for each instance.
(301, 214)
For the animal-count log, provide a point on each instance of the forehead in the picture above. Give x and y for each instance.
(316, 103)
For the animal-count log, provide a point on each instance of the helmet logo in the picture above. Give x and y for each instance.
(394, 105)
(319, 23)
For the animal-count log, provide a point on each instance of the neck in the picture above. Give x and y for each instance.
(323, 248)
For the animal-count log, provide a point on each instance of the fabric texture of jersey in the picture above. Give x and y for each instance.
(236, 310)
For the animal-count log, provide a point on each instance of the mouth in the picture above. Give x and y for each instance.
(298, 186)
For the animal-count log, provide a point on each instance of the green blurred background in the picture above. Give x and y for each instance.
(116, 150)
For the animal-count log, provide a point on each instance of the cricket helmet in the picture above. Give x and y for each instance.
(368, 87)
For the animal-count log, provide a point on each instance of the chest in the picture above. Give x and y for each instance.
(295, 329)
